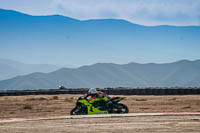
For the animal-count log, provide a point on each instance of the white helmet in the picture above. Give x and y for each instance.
(92, 91)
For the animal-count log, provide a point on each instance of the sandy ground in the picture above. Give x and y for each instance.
(59, 105)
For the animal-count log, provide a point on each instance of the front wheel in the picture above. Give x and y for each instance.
(78, 111)
(120, 109)
(74, 111)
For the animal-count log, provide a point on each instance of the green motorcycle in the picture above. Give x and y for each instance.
(84, 107)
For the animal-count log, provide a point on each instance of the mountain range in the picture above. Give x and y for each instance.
(57, 39)
(183, 73)
(11, 68)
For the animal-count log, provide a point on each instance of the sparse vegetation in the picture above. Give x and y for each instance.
(140, 99)
(55, 97)
(69, 99)
(27, 107)
(187, 107)
(172, 99)
(12, 112)
(144, 108)
(40, 99)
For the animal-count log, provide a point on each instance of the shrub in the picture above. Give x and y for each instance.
(141, 100)
(27, 107)
(55, 98)
(42, 98)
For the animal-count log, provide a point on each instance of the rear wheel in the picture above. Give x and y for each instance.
(120, 108)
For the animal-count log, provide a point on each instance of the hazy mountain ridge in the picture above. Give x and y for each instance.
(11, 68)
(181, 73)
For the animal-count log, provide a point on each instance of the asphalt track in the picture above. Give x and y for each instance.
(100, 116)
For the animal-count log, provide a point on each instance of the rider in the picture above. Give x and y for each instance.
(92, 92)
(98, 98)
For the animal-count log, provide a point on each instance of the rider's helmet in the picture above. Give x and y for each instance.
(92, 91)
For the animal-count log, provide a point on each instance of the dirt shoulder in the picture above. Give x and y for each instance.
(59, 105)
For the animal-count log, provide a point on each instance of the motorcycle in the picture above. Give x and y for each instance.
(84, 107)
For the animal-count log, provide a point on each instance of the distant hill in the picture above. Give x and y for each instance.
(182, 73)
(57, 38)
(11, 68)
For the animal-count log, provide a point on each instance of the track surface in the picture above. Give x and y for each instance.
(101, 116)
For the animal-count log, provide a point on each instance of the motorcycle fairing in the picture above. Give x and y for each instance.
(90, 108)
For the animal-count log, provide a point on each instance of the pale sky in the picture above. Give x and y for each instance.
(144, 12)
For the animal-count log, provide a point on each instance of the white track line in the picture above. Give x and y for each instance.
(99, 116)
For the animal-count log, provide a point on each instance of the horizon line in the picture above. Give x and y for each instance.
(77, 66)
